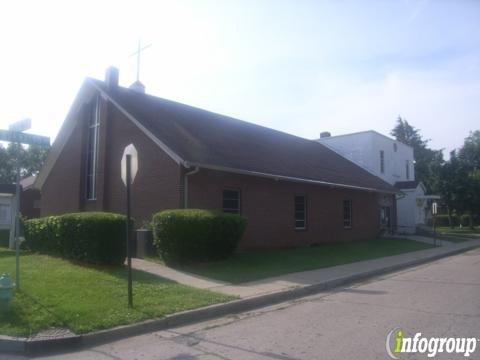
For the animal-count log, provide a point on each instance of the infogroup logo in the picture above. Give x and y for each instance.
(398, 343)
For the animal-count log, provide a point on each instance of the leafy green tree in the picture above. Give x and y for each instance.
(31, 160)
(427, 161)
(459, 179)
(469, 155)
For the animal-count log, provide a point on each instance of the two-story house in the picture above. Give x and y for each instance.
(393, 162)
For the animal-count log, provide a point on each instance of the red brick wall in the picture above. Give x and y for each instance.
(269, 207)
(29, 201)
(156, 187)
(64, 184)
(268, 204)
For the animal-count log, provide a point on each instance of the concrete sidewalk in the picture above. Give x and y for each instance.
(305, 278)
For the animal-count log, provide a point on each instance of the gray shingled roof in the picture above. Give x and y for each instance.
(202, 137)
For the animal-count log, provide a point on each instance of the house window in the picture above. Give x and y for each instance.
(300, 212)
(92, 150)
(231, 201)
(395, 147)
(382, 161)
(347, 213)
(4, 213)
(407, 170)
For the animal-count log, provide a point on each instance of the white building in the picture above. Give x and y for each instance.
(7, 209)
(392, 161)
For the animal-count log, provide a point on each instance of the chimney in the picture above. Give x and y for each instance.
(137, 86)
(325, 134)
(111, 78)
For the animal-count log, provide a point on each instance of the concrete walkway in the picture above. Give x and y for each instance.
(306, 278)
(423, 239)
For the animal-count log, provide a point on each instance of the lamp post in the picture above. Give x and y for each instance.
(434, 213)
(15, 134)
(129, 169)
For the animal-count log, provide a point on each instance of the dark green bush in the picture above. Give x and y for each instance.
(4, 237)
(197, 235)
(442, 220)
(93, 237)
(464, 220)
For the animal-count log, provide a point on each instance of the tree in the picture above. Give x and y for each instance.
(459, 179)
(31, 159)
(427, 161)
(469, 155)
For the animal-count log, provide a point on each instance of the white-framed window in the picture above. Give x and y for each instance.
(347, 214)
(395, 147)
(5, 213)
(407, 169)
(300, 204)
(92, 149)
(382, 161)
(231, 201)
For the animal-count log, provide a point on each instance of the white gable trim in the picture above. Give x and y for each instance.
(86, 91)
(152, 137)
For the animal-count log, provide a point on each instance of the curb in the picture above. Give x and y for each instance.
(67, 344)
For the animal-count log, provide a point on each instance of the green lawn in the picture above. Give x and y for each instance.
(256, 265)
(58, 293)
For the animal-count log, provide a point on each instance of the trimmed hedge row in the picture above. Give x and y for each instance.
(196, 234)
(93, 237)
(464, 220)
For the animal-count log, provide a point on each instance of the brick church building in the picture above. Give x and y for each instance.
(293, 191)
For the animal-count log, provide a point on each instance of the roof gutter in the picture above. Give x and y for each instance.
(285, 178)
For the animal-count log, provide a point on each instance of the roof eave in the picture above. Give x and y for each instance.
(287, 178)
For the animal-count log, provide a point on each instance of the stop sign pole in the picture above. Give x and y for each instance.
(129, 168)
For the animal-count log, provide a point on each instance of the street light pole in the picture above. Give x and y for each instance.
(17, 226)
(129, 247)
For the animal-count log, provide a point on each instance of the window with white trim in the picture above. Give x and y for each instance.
(92, 149)
(231, 201)
(300, 212)
(347, 214)
(407, 169)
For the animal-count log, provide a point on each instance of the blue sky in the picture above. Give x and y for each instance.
(298, 66)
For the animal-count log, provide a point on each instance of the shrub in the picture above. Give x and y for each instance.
(197, 235)
(92, 237)
(4, 237)
(442, 220)
(464, 220)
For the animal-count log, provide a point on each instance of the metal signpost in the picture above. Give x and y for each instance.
(15, 134)
(129, 169)
(434, 213)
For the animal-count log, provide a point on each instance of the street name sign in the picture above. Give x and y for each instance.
(20, 137)
(21, 125)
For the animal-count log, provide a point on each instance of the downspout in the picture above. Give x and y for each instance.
(185, 186)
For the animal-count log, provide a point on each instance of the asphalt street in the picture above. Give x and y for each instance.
(440, 299)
